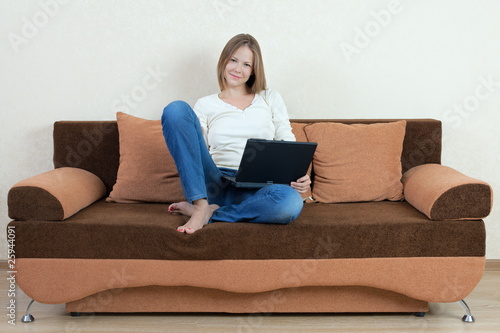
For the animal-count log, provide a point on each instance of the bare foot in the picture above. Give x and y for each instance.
(183, 208)
(200, 213)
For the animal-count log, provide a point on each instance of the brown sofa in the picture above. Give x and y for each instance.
(74, 247)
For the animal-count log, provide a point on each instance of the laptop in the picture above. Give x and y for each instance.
(267, 162)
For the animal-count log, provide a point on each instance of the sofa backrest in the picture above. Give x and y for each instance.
(94, 145)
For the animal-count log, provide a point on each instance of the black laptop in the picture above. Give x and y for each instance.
(267, 162)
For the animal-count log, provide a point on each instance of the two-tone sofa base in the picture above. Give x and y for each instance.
(151, 295)
(310, 265)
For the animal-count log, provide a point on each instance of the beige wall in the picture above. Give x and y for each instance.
(85, 60)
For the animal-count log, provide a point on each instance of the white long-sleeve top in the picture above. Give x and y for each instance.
(227, 128)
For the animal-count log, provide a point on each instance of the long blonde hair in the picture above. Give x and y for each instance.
(257, 80)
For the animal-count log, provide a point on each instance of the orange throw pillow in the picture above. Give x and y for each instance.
(357, 162)
(147, 172)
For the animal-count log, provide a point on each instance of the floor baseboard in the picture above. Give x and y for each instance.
(492, 265)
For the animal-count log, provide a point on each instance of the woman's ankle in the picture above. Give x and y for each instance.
(200, 203)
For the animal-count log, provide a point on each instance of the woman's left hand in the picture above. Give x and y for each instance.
(302, 185)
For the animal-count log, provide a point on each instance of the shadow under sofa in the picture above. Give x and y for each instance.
(384, 256)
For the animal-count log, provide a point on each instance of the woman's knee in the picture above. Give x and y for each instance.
(289, 203)
(174, 111)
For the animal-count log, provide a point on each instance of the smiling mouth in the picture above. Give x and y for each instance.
(234, 76)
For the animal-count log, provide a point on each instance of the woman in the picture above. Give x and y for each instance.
(243, 109)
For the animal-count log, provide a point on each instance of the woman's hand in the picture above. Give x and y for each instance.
(302, 185)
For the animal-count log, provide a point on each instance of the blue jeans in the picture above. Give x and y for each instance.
(202, 179)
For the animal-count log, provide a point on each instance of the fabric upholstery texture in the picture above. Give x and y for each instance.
(304, 299)
(147, 172)
(357, 162)
(443, 193)
(54, 195)
(424, 278)
(88, 145)
(350, 230)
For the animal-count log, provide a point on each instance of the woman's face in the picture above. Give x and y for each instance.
(239, 68)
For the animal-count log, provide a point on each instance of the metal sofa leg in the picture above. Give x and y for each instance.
(28, 318)
(468, 318)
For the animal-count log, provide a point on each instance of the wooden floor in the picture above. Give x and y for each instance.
(484, 303)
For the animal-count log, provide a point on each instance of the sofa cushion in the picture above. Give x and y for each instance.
(326, 231)
(54, 195)
(147, 172)
(357, 162)
(443, 193)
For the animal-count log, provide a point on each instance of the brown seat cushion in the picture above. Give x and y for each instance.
(351, 230)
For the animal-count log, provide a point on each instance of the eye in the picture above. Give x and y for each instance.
(232, 60)
(248, 65)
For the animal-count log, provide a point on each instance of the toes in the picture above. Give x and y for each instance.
(186, 230)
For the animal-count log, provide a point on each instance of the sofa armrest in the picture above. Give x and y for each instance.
(54, 195)
(443, 193)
